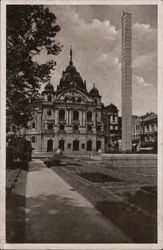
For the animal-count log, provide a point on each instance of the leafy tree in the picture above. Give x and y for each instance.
(30, 29)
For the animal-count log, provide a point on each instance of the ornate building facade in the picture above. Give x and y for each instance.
(72, 118)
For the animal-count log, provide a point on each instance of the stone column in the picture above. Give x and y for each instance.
(70, 116)
(67, 121)
(80, 117)
(84, 117)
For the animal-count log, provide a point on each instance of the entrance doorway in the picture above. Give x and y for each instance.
(49, 145)
(89, 145)
(75, 145)
(61, 144)
(98, 145)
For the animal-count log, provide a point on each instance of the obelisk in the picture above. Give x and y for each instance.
(126, 83)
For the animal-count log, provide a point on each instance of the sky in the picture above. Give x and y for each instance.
(94, 31)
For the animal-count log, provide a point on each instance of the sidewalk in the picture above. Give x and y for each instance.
(56, 213)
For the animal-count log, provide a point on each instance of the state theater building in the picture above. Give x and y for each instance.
(71, 117)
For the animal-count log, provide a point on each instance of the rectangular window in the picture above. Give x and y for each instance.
(83, 146)
(33, 139)
(69, 145)
(33, 125)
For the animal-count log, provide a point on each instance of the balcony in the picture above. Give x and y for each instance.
(60, 131)
(76, 122)
(89, 122)
(89, 131)
(48, 131)
(50, 120)
(98, 123)
(63, 121)
(76, 131)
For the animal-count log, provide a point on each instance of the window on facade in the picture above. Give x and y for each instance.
(98, 145)
(95, 101)
(113, 118)
(66, 99)
(76, 145)
(50, 126)
(49, 98)
(116, 127)
(98, 128)
(89, 145)
(83, 146)
(33, 124)
(75, 127)
(61, 144)
(61, 127)
(49, 112)
(111, 127)
(73, 99)
(89, 116)
(152, 127)
(61, 114)
(79, 99)
(69, 145)
(147, 128)
(89, 128)
(33, 139)
(75, 115)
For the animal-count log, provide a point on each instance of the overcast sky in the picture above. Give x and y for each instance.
(95, 35)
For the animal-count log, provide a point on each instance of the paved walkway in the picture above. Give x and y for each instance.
(56, 213)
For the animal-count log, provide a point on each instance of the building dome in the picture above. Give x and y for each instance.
(111, 107)
(94, 92)
(49, 88)
(71, 76)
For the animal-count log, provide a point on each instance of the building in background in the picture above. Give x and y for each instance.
(144, 131)
(126, 82)
(72, 118)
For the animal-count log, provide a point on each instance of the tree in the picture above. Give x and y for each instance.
(30, 29)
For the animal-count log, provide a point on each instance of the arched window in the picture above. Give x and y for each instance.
(89, 145)
(33, 139)
(73, 99)
(49, 112)
(75, 127)
(98, 128)
(79, 99)
(95, 101)
(61, 144)
(49, 98)
(89, 128)
(50, 126)
(61, 114)
(98, 145)
(33, 125)
(66, 99)
(89, 116)
(49, 145)
(61, 127)
(76, 115)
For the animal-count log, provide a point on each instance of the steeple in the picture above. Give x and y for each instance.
(71, 62)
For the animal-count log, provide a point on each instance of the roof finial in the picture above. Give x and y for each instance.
(71, 62)
(94, 85)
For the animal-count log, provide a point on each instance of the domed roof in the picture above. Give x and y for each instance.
(94, 91)
(112, 107)
(70, 76)
(49, 88)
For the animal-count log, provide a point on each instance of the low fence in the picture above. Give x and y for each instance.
(130, 160)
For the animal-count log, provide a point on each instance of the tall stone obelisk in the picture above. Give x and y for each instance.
(126, 83)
